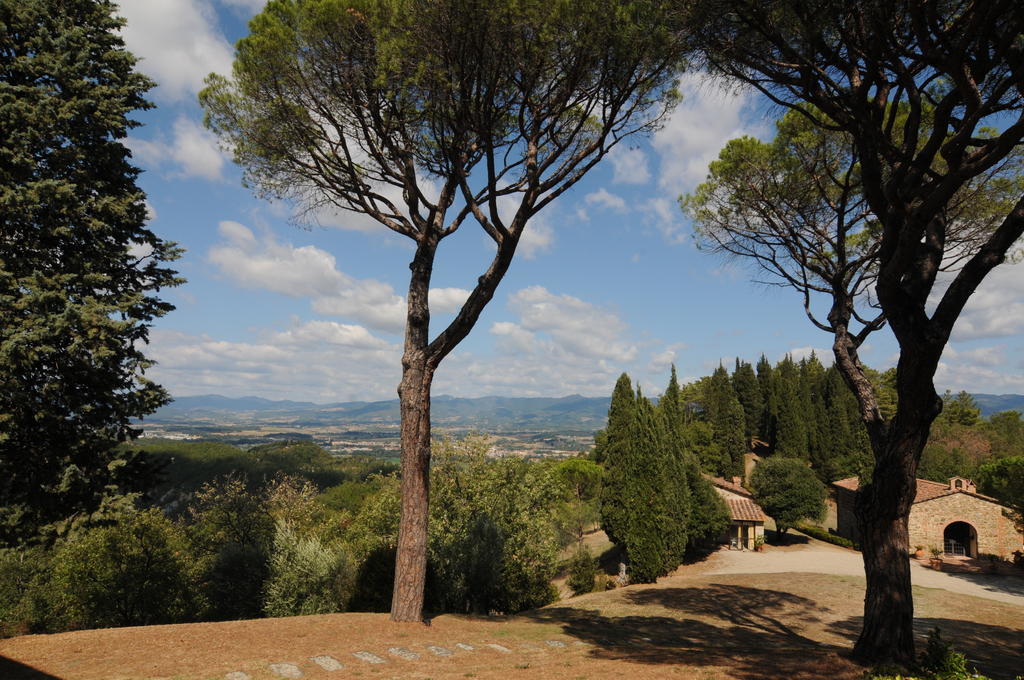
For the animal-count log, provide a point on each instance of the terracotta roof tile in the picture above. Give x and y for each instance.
(745, 510)
(926, 490)
(728, 485)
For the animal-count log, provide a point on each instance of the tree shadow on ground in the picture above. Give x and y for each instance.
(754, 633)
(996, 651)
(13, 670)
(1011, 584)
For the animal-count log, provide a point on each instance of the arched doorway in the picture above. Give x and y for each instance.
(960, 538)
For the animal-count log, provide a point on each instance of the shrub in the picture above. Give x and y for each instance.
(307, 576)
(135, 573)
(582, 572)
(825, 535)
(23, 591)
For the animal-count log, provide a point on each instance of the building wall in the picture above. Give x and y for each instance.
(846, 520)
(996, 533)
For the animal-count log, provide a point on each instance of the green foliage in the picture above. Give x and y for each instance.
(646, 503)
(726, 415)
(748, 392)
(307, 576)
(580, 481)
(348, 496)
(825, 535)
(788, 490)
(582, 572)
(491, 550)
(959, 410)
(135, 573)
(24, 592)
(1004, 479)
(76, 300)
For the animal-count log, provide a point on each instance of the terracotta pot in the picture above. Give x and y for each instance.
(919, 554)
(936, 563)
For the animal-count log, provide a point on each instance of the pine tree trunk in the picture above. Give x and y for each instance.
(411, 557)
(883, 508)
(414, 402)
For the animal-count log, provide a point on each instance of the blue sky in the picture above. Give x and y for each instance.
(607, 279)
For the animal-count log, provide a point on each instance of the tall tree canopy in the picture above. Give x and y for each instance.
(79, 269)
(925, 103)
(425, 116)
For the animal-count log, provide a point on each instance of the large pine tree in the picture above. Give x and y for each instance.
(78, 268)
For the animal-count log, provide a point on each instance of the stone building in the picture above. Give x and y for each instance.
(951, 516)
(746, 517)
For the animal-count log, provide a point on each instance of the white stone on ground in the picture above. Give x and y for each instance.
(555, 643)
(286, 670)
(237, 675)
(439, 651)
(499, 648)
(368, 657)
(463, 646)
(403, 653)
(328, 663)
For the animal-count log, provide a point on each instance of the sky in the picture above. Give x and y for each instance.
(606, 279)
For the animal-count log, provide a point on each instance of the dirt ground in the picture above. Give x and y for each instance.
(695, 623)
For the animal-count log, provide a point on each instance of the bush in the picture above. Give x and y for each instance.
(307, 576)
(938, 661)
(826, 535)
(582, 572)
(138, 572)
(23, 591)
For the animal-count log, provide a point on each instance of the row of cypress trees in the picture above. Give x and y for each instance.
(792, 409)
(655, 504)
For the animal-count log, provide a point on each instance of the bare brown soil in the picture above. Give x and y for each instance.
(689, 625)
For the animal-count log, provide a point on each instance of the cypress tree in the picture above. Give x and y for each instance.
(727, 420)
(791, 432)
(670, 406)
(76, 298)
(615, 454)
(748, 391)
(770, 402)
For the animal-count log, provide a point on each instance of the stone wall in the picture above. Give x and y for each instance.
(996, 533)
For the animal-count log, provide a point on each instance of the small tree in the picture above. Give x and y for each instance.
(364, 104)
(79, 270)
(788, 491)
(138, 572)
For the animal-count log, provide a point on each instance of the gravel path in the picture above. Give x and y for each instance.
(824, 558)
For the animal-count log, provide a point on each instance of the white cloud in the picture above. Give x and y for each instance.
(981, 369)
(630, 165)
(194, 152)
(823, 354)
(707, 118)
(605, 199)
(308, 272)
(178, 42)
(997, 307)
(537, 238)
(323, 361)
(575, 325)
(665, 216)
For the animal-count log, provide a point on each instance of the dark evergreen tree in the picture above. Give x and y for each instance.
(615, 454)
(768, 427)
(621, 411)
(79, 270)
(791, 432)
(748, 391)
(725, 414)
(820, 444)
(671, 407)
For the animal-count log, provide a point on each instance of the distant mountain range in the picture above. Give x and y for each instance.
(994, 403)
(574, 412)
